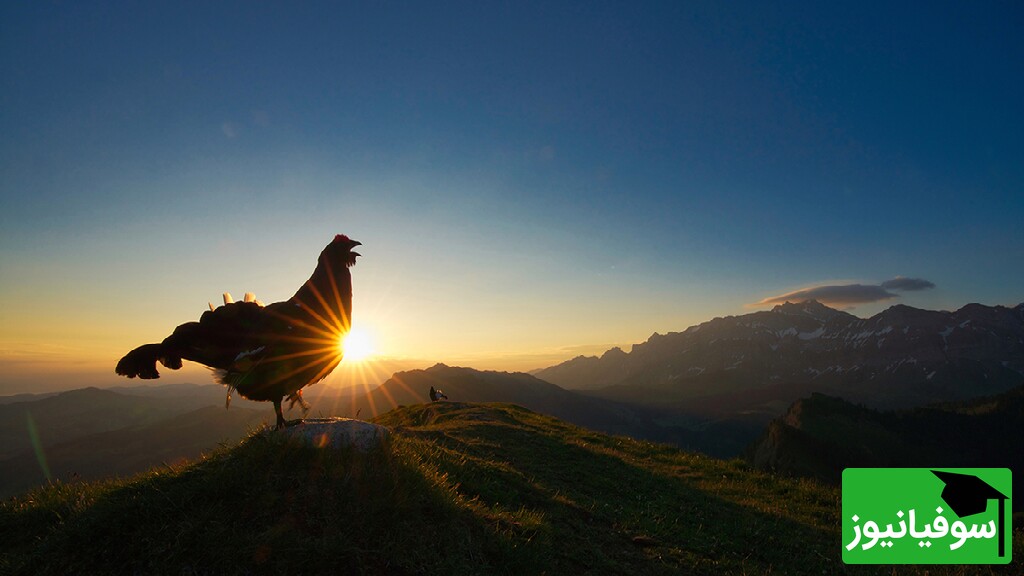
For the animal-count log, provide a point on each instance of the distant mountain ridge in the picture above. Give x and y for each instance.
(901, 357)
(81, 412)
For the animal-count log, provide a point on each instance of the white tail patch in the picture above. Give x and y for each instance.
(228, 299)
(248, 353)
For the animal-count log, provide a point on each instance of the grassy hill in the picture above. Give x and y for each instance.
(722, 438)
(470, 385)
(461, 489)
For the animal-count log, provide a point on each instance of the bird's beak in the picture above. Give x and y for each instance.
(355, 253)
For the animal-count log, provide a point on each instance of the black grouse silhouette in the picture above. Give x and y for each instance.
(436, 395)
(265, 352)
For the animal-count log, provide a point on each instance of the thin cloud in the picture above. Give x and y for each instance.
(851, 294)
(834, 295)
(908, 284)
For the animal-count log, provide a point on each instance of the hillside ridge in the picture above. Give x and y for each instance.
(821, 435)
(462, 488)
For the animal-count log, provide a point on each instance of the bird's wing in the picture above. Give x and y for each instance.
(223, 334)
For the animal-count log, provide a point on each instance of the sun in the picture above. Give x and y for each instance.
(357, 345)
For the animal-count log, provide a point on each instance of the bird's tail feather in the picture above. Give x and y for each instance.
(142, 361)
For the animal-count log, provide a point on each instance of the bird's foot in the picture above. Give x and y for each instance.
(297, 398)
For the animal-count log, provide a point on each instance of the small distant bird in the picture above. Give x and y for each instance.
(266, 353)
(435, 395)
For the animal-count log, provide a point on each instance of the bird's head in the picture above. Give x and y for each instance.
(340, 250)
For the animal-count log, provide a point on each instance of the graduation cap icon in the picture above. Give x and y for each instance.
(968, 495)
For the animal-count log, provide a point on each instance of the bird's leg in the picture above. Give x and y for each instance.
(296, 398)
(280, 416)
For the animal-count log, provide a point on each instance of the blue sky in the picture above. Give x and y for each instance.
(529, 180)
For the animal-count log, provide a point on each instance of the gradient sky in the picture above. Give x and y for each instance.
(530, 181)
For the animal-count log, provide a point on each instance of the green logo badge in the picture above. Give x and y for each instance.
(926, 516)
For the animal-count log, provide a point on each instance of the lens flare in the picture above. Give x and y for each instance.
(357, 345)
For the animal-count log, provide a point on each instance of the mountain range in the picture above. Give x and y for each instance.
(759, 363)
